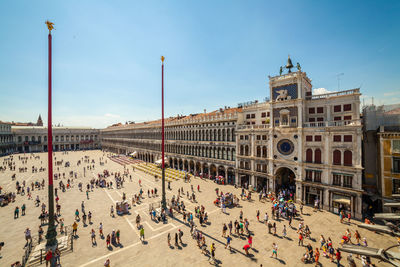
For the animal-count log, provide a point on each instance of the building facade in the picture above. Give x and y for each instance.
(389, 163)
(7, 145)
(34, 138)
(199, 143)
(310, 144)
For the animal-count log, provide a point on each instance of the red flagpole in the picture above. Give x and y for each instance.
(163, 200)
(49, 126)
(51, 235)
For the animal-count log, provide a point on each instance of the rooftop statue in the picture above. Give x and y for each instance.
(298, 66)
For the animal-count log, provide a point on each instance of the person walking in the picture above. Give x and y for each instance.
(23, 208)
(284, 232)
(274, 250)
(180, 235)
(169, 239)
(142, 234)
(258, 215)
(118, 234)
(300, 239)
(101, 230)
(176, 240)
(108, 240)
(74, 228)
(338, 257)
(224, 228)
(212, 250)
(228, 242)
(316, 257)
(93, 237)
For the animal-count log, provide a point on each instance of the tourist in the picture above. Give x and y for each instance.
(284, 232)
(250, 240)
(16, 212)
(57, 255)
(93, 237)
(117, 235)
(28, 236)
(224, 228)
(23, 208)
(74, 228)
(101, 230)
(246, 249)
(169, 239)
(228, 242)
(48, 257)
(316, 257)
(142, 234)
(77, 214)
(108, 240)
(338, 257)
(212, 251)
(274, 250)
(112, 211)
(300, 239)
(107, 263)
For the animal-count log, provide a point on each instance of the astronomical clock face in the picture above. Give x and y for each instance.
(285, 147)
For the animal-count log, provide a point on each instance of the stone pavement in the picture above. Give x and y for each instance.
(155, 251)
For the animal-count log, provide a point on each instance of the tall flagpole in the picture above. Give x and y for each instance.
(163, 200)
(51, 235)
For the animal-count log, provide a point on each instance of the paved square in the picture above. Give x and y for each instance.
(155, 251)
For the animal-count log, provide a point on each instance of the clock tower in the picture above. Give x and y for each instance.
(287, 102)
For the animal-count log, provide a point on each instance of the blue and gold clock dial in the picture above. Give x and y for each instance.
(285, 147)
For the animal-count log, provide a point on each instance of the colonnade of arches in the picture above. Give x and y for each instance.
(224, 153)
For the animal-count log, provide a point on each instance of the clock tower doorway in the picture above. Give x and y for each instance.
(285, 179)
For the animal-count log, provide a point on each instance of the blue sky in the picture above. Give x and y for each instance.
(106, 54)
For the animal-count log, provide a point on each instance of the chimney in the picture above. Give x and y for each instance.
(205, 111)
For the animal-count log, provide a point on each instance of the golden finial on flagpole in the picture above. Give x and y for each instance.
(50, 25)
(162, 59)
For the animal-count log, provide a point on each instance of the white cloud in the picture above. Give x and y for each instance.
(109, 115)
(88, 120)
(391, 93)
(321, 91)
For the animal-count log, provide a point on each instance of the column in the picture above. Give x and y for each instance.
(252, 180)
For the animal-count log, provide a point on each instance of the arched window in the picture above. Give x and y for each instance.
(337, 157)
(219, 135)
(348, 158)
(233, 155)
(228, 154)
(309, 155)
(233, 135)
(258, 151)
(223, 135)
(215, 135)
(241, 150)
(317, 156)
(264, 152)
(246, 150)
(228, 135)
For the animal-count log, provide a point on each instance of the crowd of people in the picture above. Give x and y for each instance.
(236, 232)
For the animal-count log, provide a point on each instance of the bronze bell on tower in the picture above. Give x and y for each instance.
(289, 64)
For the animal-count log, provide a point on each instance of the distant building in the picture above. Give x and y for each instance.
(34, 138)
(381, 154)
(39, 121)
(7, 145)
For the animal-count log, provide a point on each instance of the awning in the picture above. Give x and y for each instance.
(160, 161)
(341, 199)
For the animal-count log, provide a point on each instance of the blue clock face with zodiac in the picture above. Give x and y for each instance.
(285, 147)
